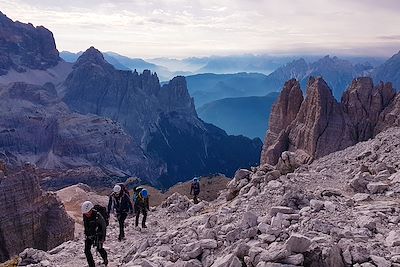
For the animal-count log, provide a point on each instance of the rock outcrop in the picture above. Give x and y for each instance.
(24, 46)
(29, 216)
(161, 120)
(283, 113)
(322, 125)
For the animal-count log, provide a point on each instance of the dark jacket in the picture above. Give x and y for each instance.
(95, 226)
(120, 203)
(195, 188)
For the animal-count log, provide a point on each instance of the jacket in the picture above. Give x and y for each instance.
(119, 203)
(195, 188)
(95, 226)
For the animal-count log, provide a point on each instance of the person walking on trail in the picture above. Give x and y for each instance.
(141, 204)
(120, 202)
(195, 189)
(95, 232)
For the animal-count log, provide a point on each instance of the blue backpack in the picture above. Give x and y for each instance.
(140, 196)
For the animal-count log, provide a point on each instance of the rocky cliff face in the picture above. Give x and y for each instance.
(283, 113)
(37, 127)
(322, 125)
(24, 46)
(161, 120)
(29, 216)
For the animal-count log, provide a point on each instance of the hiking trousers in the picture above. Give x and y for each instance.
(88, 253)
(121, 221)
(195, 199)
(138, 210)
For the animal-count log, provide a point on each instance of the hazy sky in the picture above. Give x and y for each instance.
(181, 28)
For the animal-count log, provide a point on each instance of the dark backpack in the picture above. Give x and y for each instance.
(103, 211)
(196, 187)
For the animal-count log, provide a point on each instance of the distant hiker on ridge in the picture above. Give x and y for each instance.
(195, 189)
(95, 232)
(121, 203)
(141, 204)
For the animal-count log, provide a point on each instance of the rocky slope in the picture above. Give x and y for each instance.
(319, 125)
(342, 210)
(30, 217)
(24, 46)
(161, 120)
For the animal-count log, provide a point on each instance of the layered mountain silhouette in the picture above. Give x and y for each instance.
(241, 115)
(102, 121)
(208, 87)
(338, 73)
(389, 71)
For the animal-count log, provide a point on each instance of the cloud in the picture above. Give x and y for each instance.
(202, 27)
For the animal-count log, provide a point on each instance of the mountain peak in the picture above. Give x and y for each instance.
(91, 55)
(25, 46)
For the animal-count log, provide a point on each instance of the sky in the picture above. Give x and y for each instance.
(185, 28)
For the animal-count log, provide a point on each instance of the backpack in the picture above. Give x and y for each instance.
(141, 195)
(196, 187)
(103, 211)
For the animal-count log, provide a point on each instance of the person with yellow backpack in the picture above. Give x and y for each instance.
(141, 204)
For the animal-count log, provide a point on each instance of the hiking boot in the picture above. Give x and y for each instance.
(105, 262)
(144, 226)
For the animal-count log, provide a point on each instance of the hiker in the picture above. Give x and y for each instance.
(141, 204)
(195, 189)
(95, 232)
(120, 203)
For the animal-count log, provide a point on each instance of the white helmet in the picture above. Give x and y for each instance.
(87, 206)
(117, 189)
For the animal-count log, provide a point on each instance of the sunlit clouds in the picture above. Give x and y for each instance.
(180, 28)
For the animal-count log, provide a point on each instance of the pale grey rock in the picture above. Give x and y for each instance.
(393, 239)
(366, 222)
(361, 197)
(296, 259)
(242, 174)
(229, 260)
(377, 187)
(316, 205)
(191, 251)
(298, 243)
(281, 209)
(208, 243)
(380, 261)
(249, 220)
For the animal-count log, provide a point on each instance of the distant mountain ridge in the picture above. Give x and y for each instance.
(247, 116)
(337, 72)
(209, 87)
(389, 71)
